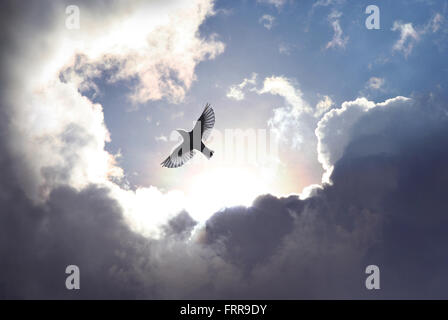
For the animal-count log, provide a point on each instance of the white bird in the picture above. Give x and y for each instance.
(192, 140)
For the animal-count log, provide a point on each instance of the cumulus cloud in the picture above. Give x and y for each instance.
(335, 129)
(322, 106)
(267, 21)
(339, 40)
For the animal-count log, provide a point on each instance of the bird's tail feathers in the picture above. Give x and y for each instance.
(208, 152)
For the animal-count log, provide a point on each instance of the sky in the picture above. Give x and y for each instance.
(330, 149)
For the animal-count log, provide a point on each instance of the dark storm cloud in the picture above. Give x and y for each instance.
(268, 221)
(415, 208)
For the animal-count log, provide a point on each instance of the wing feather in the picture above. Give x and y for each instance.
(205, 122)
(177, 158)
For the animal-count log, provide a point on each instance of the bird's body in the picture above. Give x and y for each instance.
(192, 140)
(188, 143)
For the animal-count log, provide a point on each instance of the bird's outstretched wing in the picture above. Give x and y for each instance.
(205, 122)
(178, 157)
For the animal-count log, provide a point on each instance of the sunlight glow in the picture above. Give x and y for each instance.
(217, 188)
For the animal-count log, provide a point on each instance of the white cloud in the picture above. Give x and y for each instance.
(286, 121)
(322, 106)
(408, 37)
(162, 58)
(339, 40)
(310, 191)
(334, 129)
(236, 91)
(267, 21)
(283, 86)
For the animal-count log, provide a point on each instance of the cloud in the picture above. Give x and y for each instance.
(286, 120)
(322, 106)
(87, 229)
(410, 36)
(335, 129)
(434, 23)
(151, 57)
(339, 40)
(293, 124)
(236, 91)
(282, 86)
(267, 21)
(318, 4)
(375, 85)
